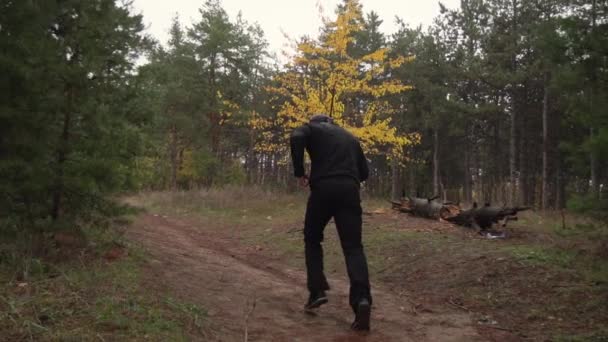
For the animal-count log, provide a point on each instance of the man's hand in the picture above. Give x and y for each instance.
(303, 181)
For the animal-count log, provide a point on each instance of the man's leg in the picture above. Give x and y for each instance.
(349, 224)
(317, 215)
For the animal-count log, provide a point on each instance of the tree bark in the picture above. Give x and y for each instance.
(277, 168)
(497, 162)
(173, 155)
(62, 152)
(468, 191)
(545, 171)
(512, 157)
(214, 115)
(436, 162)
(411, 180)
(595, 186)
(260, 170)
(395, 193)
(523, 166)
(215, 127)
(560, 188)
(513, 132)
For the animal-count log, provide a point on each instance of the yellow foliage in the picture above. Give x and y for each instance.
(228, 108)
(323, 77)
(187, 168)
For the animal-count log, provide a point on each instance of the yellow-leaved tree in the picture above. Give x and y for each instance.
(331, 76)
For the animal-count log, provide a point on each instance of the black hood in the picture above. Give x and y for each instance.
(321, 118)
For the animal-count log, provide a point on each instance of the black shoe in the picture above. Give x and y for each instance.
(316, 300)
(362, 316)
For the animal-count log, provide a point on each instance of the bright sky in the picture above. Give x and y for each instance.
(292, 17)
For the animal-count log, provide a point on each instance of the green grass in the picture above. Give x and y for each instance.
(88, 298)
(598, 272)
(542, 255)
(591, 269)
(564, 224)
(233, 205)
(565, 240)
(600, 336)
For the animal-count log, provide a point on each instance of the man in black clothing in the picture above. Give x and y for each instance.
(338, 167)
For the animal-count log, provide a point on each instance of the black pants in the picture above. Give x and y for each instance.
(338, 198)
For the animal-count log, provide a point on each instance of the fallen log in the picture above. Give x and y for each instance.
(483, 218)
(426, 208)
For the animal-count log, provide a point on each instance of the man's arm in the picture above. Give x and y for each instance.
(362, 165)
(298, 141)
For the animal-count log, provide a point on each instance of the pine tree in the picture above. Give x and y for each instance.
(70, 129)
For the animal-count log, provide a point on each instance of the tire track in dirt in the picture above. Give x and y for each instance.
(216, 273)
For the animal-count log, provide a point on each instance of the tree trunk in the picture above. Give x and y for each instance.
(560, 189)
(436, 162)
(545, 171)
(513, 133)
(262, 169)
(214, 115)
(215, 127)
(468, 191)
(595, 186)
(62, 153)
(593, 164)
(512, 157)
(497, 162)
(251, 157)
(269, 169)
(277, 168)
(411, 180)
(523, 167)
(173, 155)
(395, 193)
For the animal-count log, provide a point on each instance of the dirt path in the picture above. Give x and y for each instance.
(247, 293)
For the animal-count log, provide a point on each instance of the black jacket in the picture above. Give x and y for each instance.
(333, 152)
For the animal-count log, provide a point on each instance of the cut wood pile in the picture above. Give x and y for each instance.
(477, 217)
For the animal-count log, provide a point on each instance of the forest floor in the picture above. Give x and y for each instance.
(239, 255)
